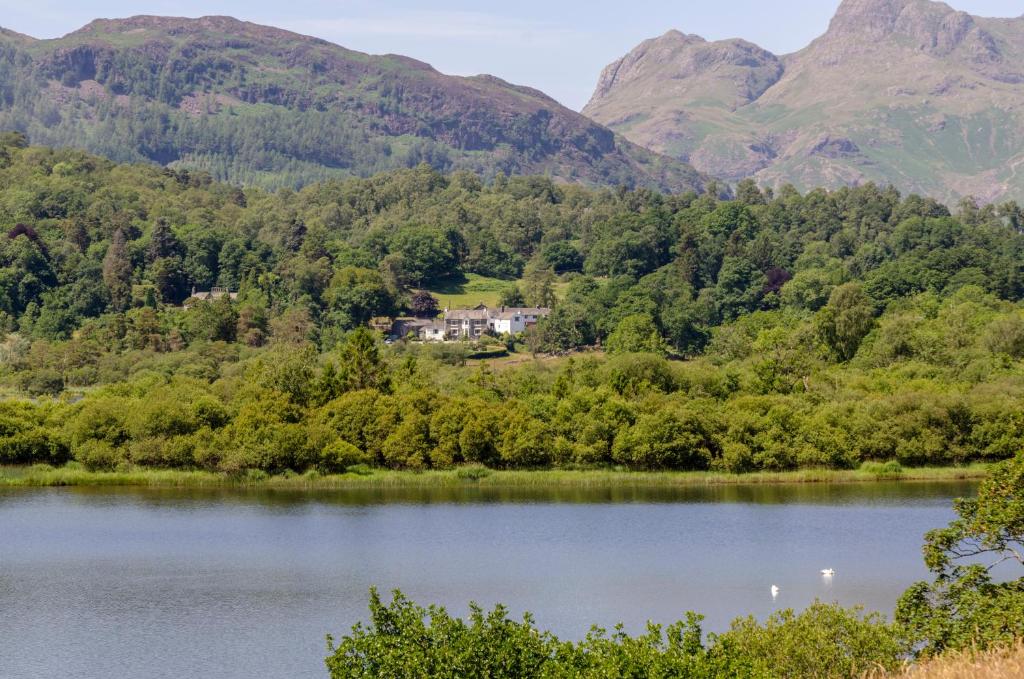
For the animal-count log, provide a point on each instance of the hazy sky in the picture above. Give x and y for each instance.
(559, 47)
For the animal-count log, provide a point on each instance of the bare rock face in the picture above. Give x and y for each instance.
(738, 71)
(908, 92)
(930, 27)
(669, 73)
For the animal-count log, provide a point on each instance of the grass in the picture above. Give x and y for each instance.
(75, 475)
(470, 290)
(1004, 663)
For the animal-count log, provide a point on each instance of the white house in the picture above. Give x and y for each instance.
(432, 332)
(514, 320)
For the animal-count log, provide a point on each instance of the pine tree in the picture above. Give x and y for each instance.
(163, 243)
(117, 272)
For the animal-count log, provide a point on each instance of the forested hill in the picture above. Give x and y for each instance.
(825, 329)
(86, 238)
(261, 106)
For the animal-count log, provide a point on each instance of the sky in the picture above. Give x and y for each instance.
(557, 46)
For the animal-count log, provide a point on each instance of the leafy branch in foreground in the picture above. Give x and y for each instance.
(968, 603)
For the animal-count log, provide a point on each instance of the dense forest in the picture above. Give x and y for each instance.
(769, 331)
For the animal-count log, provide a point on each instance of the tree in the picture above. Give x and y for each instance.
(565, 329)
(667, 439)
(360, 364)
(511, 297)
(1005, 335)
(162, 242)
(965, 606)
(356, 295)
(215, 321)
(117, 272)
(845, 321)
(428, 253)
(538, 287)
(637, 334)
(424, 305)
(562, 256)
(168, 275)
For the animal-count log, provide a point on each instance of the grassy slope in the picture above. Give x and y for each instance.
(473, 289)
(469, 291)
(75, 476)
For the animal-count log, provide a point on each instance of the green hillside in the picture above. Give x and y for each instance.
(261, 106)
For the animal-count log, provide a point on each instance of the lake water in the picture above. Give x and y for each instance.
(109, 584)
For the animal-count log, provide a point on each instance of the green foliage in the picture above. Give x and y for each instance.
(668, 439)
(972, 603)
(215, 321)
(845, 321)
(406, 640)
(28, 435)
(829, 330)
(636, 334)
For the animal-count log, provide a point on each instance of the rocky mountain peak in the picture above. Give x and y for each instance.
(931, 27)
(684, 58)
(909, 92)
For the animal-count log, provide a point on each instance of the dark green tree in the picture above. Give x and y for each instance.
(845, 321)
(360, 364)
(117, 272)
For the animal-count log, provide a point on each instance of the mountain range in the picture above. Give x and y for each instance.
(904, 92)
(259, 105)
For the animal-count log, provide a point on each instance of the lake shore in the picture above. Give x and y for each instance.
(41, 476)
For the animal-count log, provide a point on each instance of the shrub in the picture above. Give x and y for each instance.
(405, 640)
(883, 470)
(98, 455)
(473, 472)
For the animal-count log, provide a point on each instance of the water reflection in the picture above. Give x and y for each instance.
(878, 493)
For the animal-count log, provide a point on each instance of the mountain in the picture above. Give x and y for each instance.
(904, 92)
(259, 105)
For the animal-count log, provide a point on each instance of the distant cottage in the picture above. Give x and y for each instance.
(469, 324)
(208, 296)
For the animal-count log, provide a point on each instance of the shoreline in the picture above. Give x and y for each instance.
(468, 477)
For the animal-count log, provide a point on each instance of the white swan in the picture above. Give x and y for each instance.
(775, 591)
(828, 572)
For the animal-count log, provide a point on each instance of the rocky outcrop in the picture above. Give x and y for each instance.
(929, 27)
(739, 70)
(908, 92)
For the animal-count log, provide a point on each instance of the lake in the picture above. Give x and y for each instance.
(104, 584)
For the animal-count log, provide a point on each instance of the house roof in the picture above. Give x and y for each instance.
(467, 314)
(510, 312)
